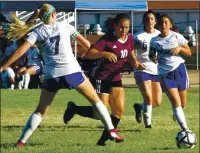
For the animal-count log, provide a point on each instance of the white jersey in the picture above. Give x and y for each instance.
(142, 46)
(5, 77)
(54, 43)
(162, 47)
(33, 57)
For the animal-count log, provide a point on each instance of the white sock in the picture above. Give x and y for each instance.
(104, 115)
(32, 123)
(147, 111)
(26, 80)
(12, 86)
(21, 83)
(180, 117)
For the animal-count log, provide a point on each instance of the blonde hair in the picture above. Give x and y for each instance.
(19, 29)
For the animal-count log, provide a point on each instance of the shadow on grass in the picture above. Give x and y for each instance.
(12, 145)
(165, 148)
(65, 127)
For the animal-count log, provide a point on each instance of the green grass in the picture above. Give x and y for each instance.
(81, 134)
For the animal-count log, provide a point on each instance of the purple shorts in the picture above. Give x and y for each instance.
(177, 78)
(37, 68)
(67, 81)
(143, 76)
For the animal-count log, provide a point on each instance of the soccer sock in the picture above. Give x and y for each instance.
(147, 111)
(104, 115)
(21, 82)
(26, 80)
(32, 123)
(105, 135)
(141, 106)
(85, 111)
(180, 117)
(12, 86)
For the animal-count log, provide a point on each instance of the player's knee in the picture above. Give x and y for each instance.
(157, 103)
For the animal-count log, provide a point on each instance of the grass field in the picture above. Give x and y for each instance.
(81, 134)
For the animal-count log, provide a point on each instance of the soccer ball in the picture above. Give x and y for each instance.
(185, 139)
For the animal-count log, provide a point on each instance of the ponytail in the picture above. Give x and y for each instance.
(18, 28)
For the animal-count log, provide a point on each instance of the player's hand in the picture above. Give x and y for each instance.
(110, 56)
(155, 59)
(3, 68)
(138, 65)
(175, 50)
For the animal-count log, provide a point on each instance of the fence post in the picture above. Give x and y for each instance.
(197, 45)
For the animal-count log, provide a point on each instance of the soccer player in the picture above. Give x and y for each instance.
(32, 67)
(113, 50)
(147, 79)
(60, 66)
(8, 79)
(166, 50)
(17, 65)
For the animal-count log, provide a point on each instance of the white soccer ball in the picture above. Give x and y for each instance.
(185, 139)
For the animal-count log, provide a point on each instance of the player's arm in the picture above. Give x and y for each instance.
(184, 50)
(133, 61)
(95, 54)
(85, 44)
(16, 55)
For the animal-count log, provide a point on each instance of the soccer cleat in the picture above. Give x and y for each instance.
(101, 143)
(114, 136)
(138, 112)
(69, 112)
(19, 144)
(148, 126)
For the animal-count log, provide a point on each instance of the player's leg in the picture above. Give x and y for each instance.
(170, 84)
(175, 100)
(156, 93)
(87, 90)
(11, 75)
(33, 70)
(143, 80)
(183, 96)
(50, 88)
(116, 101)
(146, 91)
(87, 111)
(34, 120)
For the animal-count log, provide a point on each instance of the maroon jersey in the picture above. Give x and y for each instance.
(106, 70)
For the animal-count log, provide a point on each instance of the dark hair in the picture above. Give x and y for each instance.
(175, 28)
(145, 15)
(109, 23)
(165, 16)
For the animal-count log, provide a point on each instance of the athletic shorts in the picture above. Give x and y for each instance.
(143, 76)
(37, 68)
(177, 78)
(69, 81)
(104, 86)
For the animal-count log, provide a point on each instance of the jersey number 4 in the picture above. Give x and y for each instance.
(124, 53)
(56, 40)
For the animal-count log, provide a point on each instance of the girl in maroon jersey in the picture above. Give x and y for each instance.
(113, 50)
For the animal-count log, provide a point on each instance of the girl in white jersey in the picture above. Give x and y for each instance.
(60, 67)
(146, 79)
(166, 50)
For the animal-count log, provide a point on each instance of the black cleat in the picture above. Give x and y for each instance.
(101, 143)
(69, 112)
(148, 126)
(138, 112)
